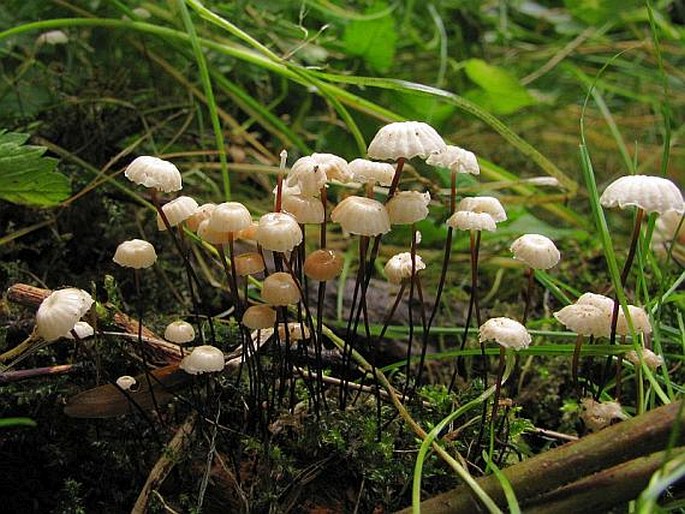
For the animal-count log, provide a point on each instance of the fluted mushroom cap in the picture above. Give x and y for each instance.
(372, 172)
(203, 359)
(249, 263)
(177, 211)
(311, 173)
(398, 267)
(83, 330)
(652, 360)
(468, 220)
(127, 383)
(456, 160)
(305, 209)
(59, 312)
(597, 415)
(536, 250)
(668, 228)
(405, 139)
(362, 216)
(487, 204)
(639, 318)
(280, 289)
(323, 265)
(408, 207)
(259, 317)
(179, 332)
(506, 332)
(652, 194)
(278, 232)
(585, 319)
(214, 237)
(600, 301)
(154, 172)
(136, 254)
(202, 213)
(229, 217)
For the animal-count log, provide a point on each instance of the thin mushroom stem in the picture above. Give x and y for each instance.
(498, 389)
(576, 361)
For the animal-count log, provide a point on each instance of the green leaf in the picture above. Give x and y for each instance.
(500, 92)
(26, 177)
(596, 12)
(373, 39)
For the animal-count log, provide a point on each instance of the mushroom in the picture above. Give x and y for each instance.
(203, 359)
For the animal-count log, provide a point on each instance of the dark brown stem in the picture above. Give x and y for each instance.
(498, 385)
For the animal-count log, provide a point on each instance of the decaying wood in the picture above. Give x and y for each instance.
(22, 374)
(572, 462)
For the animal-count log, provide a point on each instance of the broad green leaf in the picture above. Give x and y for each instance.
(26, 177)
(373, 39)
(500, 92)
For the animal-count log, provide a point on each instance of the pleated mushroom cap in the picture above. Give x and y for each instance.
(467, 220)
(177, 211)
(179, 332)
(58, 313)
(323, 265)
(536, 250)
(506, 332)
(652, 194)
(398, 267)
(259, 317)
(203, 359)
(600, 301)
(249, 263)
(136, 254)
(407, 207)
(405, 139)
(127, 383)
(278, 232)
(280, 289)
(651, 359)
(598, 415)
(639, 318)
(214, 237)
(83, 330)
(154, 172)
(309, 174)
(305, 209)
(455, 159)
(372, 172)
(229, 217)
(585, 319)
(487, 204)
(202, 213)
(361, 216)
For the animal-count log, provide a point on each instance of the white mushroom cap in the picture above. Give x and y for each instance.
(468, 220)
(405, 139)
(127, 382)
(60, 311)
(652, 194)
(203, 359)
(136, 254)
(248, 263)
(179, 332)
(597, 415)
(305, 209)
(202, 213)
(372, 172)
(311, 173)
(278, 232)
(154, 172)
(668, 228)
(362, 216)
(652, 360)
(280, 289)
(258, 317)
(506, 332)
(229, 217)
(83, 330)
(52, 37)
(585, 319)
(408, 207)
(487, 204)
(398, 267)
(212, 236)
(600, 301)
(176, 211)
(537, 251)
(456, 160)
(640, 321)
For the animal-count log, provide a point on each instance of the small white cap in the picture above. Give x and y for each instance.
(456, 160)
(405, 139)
(639, 318)
(585, 319)
(652, 194)
(136, 254)
(362, 216)
(668, 228)
(53, 37)
(372, 172)
(176, 211)
(536, 250)
(398, 267)
(203, 359)
(468, 220)
(60, 311)
(154, 172)
(229, 217)
(278, 232)
(179, 332)
(83, 330)
(202, 213)
(305, 209)
(127, 383)
(652, 360)
(408, 207)
(311, 173)
(212, 236)
(487, 204)
(600, 301)
(597, 415)
(506, 332)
